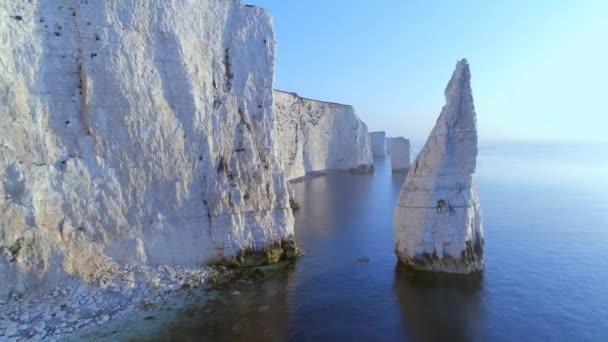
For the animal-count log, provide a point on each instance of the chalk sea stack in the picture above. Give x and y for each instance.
(401, 152)
(438, 223)
(389, 144)
(378, 143)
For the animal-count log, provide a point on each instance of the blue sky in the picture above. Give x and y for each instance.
(539, 68)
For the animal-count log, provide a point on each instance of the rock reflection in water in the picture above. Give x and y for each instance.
(439, 307)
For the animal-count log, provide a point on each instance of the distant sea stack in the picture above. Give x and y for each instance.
(438, 223)
(401, 152)
(378, 143)
(317, 136)
(389, 144)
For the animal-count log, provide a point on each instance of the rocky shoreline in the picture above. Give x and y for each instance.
(75, 306)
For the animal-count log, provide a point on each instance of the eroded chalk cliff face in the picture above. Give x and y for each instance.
(319, 136)
(438, 223)
(136, 132)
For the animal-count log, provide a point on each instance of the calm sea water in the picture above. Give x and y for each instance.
(546, 278)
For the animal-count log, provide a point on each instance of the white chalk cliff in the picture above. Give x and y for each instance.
(315, 136)
(438, 223)
(136, 132)
(401, 152)
(378, 143)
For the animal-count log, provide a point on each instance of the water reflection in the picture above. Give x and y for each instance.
(530, 289)
(437, 307)
(397, 179)
(327, 200)
(254, 309)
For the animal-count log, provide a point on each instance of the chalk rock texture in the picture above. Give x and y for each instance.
(401, 152)
(315, 136)
(378, 143)
(136, 132)
(389, 145)
(438, 223)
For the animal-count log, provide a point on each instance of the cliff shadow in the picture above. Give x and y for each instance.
(439, 307)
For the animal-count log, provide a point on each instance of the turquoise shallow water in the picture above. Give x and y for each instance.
(546, 278)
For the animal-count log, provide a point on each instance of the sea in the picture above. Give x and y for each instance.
(545, 213)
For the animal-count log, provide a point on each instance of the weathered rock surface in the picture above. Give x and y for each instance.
(378, 143)
(401, 152)
(136, 132)
(73, 305)
(315, 136)
(438, 223)
(389, 145)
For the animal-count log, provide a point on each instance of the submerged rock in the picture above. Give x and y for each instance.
(316, 136)
(401, 151)
(378, 143)
(438, 224)
(363, 260)
(136, 132)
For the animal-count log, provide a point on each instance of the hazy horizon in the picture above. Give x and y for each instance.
(538, 69)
